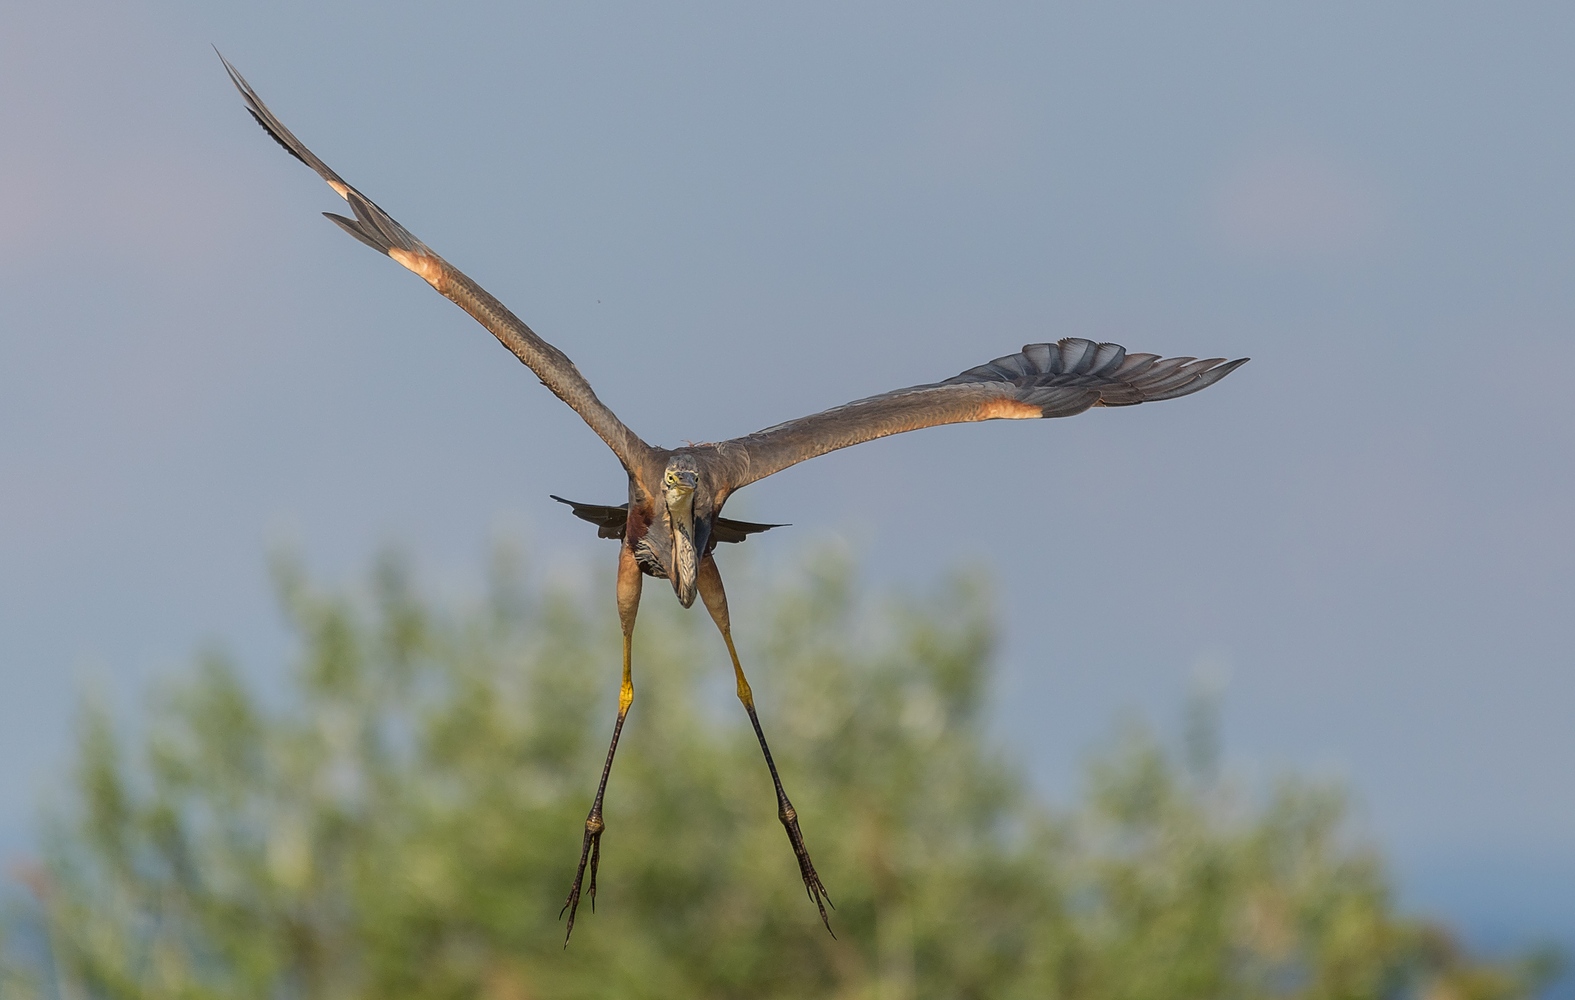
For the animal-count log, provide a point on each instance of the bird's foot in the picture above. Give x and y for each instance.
(806, 868)
(590, 851)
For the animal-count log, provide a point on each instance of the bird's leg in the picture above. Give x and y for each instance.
(710, 586)
(591, 847)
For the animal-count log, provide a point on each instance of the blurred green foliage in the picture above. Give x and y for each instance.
(404, 823)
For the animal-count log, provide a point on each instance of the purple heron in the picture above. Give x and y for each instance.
(672, 521)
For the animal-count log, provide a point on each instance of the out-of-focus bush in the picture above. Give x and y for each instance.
(407, 822)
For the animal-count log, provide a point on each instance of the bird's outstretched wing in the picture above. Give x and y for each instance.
(1044, 380)
(378, 230)
(611, 521)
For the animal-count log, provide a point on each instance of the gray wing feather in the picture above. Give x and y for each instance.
(378, 230)
(1041, 380)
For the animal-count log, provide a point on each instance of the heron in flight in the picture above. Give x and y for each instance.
(672, 522)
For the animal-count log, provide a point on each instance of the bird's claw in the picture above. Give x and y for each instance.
(813, 886)
(590, 851)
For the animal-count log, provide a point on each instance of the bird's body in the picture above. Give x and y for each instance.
(671, 523)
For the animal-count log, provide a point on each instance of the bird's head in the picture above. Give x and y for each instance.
(680, 482)
(680, 479)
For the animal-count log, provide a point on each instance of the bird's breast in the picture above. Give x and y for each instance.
(652, 562)
(652, 548)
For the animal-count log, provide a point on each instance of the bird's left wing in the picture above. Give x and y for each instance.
(378, 230)
(1043, 380)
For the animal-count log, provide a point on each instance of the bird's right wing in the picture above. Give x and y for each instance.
(378, 230)
(1044, 380)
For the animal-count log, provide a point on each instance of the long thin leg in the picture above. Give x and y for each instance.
(710, 581)
(629, 580)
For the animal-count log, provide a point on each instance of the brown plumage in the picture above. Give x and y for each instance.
(672, 521)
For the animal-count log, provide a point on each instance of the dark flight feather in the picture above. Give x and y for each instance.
(610, 522)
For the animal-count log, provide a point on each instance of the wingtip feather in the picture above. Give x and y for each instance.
(353, 227)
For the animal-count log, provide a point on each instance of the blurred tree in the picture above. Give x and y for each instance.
(406, 824)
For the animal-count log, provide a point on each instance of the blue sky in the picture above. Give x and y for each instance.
(730, 215)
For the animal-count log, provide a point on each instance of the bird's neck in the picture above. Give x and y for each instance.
(686, 561)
